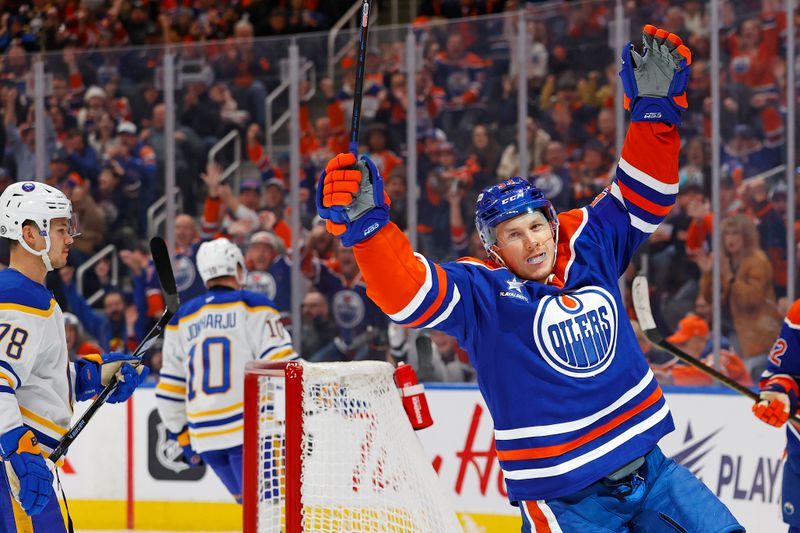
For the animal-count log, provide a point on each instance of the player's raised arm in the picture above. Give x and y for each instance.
(412, 290)
(646, 182)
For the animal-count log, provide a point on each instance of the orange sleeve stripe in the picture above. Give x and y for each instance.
(786, 382)
(559, 449)
(392, 272)
(794, 313)
(437, 303)
(642, 202)
(652, 147)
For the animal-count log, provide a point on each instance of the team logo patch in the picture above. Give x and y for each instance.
(262, 283)
(348, 309)
(28, 187)
(514, 289)
(788, 508)
(185, 272)
(576, 333)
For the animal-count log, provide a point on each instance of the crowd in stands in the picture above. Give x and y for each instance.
(106, 149)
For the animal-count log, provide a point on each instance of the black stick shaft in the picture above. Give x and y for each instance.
(358, 90)
(77, 428)
(641, 305)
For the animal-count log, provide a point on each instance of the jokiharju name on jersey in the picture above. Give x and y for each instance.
(571, 396)
(216, 321)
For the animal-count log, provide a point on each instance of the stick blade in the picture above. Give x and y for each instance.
(158, 249)
(640, 294)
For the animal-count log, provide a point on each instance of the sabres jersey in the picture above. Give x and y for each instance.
(36, 378)
(570, 393)
(783, 367)
(206, 346)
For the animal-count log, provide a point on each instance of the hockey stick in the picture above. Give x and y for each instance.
(358, 90)
(166, 278)
(640, 293)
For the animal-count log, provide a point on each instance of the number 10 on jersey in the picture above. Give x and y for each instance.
(215, 366)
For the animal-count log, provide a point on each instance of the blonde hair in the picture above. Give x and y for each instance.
(744, 226)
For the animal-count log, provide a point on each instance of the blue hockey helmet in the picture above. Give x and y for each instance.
(506, 200)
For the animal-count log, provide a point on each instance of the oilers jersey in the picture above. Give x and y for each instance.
(275, 284)
(36, 378)
(206, 346)
(783, 367)
(570, 393)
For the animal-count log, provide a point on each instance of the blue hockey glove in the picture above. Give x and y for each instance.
(20, 448)
(351, 199)
(655, 82)
(95, 371)
(190, 457)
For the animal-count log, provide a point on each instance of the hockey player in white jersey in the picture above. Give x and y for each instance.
(200, 394)
(38, 385)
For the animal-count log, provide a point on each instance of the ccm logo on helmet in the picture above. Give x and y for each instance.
(516, 196)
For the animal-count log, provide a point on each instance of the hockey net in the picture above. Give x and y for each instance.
(328, 448)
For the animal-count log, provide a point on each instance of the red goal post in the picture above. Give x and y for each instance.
(328, 448)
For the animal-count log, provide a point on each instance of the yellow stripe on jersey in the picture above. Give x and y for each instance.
(172, 327)
(282, 353)
(22, 521)
(8, 378)
(177, 389)
(29, 310)
(231, 304)
(219, 411)
(194, 435)
(42, 421)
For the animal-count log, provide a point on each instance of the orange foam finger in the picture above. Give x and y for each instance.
(335, 229)
(340, 161)
(674, 39)
(684, 51)
(650, 29)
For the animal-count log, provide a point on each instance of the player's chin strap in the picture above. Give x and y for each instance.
(41, 253)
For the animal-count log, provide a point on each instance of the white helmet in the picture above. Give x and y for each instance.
(218, 258)
(37, 202)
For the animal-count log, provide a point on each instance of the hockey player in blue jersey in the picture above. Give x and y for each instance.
(778, 401)
(38, 384)
(577, 412)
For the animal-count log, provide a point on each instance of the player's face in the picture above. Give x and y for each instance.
(526, 245)
(60, 241)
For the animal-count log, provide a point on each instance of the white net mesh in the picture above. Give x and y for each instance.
(363, 469)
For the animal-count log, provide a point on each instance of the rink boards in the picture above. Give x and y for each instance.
(716, 436)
